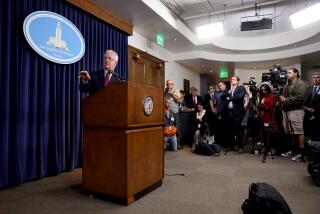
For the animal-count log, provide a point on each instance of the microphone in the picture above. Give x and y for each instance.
(116, 75)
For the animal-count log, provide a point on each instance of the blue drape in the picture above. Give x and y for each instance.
(40, 102)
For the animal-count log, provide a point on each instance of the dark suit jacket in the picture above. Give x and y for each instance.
(313, 102)
(189, 101)
(96, 82)
(206, 104)
(238, 110)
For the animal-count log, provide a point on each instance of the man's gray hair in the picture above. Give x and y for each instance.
(114, 54)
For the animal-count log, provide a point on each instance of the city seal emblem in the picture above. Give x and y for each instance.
(54, 37)
(148, 105)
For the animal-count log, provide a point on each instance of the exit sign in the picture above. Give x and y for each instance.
(223, 73)
(160, 40)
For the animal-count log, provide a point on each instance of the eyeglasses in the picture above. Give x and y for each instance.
(108, 59)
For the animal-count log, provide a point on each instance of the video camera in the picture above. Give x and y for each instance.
(277, 77)
(252, 86)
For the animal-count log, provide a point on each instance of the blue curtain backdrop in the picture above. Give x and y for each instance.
(40, 102)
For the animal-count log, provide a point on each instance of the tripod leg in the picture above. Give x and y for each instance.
(266, 147)
(264, 158)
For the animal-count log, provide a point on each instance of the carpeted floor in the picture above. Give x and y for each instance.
(216, 185)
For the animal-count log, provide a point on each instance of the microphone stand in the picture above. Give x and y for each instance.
(116, 75)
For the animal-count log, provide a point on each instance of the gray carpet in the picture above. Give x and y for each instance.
(193, 184)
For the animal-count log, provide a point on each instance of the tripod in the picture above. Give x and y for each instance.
(268, 128)
(267, 147)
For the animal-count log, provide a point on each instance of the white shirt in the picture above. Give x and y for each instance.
(110, 73)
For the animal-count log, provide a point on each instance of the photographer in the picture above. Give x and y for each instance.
(174, 96)
(203, 143)
(293, 111)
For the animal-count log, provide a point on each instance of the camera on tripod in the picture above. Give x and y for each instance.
(277, 78)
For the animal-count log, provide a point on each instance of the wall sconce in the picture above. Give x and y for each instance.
(136, 56)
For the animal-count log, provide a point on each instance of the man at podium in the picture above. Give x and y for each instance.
(94, 81)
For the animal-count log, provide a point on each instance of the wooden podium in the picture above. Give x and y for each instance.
(123, 146)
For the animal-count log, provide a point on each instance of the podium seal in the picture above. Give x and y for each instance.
(148, 105)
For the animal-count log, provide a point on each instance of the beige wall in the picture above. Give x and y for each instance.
(173, 70)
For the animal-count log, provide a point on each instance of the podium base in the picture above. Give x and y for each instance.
(124, 201)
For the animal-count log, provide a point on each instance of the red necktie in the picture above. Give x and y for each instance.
(194, 103)
(107, 80)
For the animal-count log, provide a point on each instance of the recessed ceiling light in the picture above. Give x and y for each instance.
(202, 66)
(174, 39)
(295, 45)
(210, 30)
(306, 16)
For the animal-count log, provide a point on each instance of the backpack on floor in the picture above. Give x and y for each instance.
(264, 199)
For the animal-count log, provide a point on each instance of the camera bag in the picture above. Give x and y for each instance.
(264, 199)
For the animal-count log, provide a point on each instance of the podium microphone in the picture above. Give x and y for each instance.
(116, 75)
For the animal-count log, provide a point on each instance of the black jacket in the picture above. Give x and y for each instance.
(189, 101)
(237, 100)
(97, 81)
(313, 102)
(206, 104)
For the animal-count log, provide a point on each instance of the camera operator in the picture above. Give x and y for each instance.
(236, 111)
(293, 111)
(312, 109)
(247, 106)
(249, 121)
